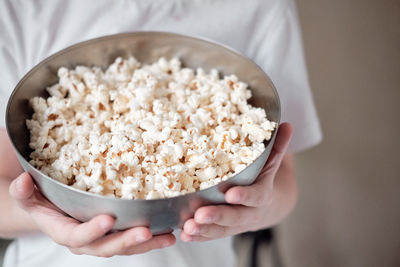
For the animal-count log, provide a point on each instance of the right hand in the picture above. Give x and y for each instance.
(89, 238)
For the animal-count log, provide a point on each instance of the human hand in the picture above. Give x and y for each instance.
(252, 207)
(89, 238)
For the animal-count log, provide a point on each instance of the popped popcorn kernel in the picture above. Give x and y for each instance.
(145, 131)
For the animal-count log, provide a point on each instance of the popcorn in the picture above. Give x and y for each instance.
(206, 174)
(145, 131)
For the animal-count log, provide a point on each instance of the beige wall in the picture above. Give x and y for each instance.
(349, 206)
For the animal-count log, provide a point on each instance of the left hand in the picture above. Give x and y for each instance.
(252, 207)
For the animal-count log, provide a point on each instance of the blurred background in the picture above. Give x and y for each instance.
(348, 212)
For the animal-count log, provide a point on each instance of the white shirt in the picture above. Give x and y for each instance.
(265, 30)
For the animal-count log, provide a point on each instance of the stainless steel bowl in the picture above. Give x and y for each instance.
(161, 215)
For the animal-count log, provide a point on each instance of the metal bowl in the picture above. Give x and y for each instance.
(161, 215)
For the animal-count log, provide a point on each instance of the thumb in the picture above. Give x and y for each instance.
(283, 138)
(281, 144)
(22, 187)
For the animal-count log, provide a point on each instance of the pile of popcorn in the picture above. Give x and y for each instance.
(145, 131)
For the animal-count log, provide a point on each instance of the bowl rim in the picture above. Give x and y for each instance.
(126, 35)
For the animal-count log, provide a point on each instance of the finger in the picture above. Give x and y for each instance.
(22, 187)
(225, 215)
(119, 241)
(279, 149)
(65, 230)
(132, 241)
(190, 238)
(191, 228)
(199, 232)
(157, 242)
(76, 234)
(214, 231)
(256, 195)
(62, 229)
(28, 198)
(115, 243)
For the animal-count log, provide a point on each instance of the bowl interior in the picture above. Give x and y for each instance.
(147, 47)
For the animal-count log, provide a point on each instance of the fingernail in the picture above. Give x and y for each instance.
(140, 238)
